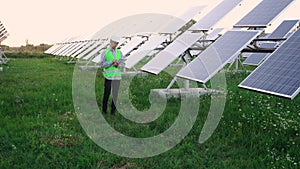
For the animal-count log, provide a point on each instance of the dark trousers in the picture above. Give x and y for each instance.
(108, 86)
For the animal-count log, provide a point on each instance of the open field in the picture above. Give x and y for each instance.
(39, 127)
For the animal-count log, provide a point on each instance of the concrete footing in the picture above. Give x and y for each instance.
(177, 93)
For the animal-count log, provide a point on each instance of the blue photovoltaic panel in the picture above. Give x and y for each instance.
(263, 14)
(215, 15)
(255, 59)
(279, 74)
(217, 55)
(284, 28)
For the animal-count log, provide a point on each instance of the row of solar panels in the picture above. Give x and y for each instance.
(155, 40)
(217, 55)
(3, 36)
(3, 32)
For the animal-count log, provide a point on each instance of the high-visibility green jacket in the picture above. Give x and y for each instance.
(112, 72)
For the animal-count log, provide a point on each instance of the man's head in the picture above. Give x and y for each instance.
(114, 41)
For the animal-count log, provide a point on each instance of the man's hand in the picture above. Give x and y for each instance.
(115, 63)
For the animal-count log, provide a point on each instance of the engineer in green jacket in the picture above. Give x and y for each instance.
(111, 61)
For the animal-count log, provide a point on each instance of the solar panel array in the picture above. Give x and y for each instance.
(3, 32)
(215, 15)
(279, 74)
(137, 55)
(170, 27)
(280, 32)
(177, 22)
(187, 39)
(264, 13)
(171, 52)
(131, 44)
(89, 48)
(217, 55)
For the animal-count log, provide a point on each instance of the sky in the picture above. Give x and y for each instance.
(51, 21)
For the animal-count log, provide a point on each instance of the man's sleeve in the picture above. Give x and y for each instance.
(103, 62)
(122, 60)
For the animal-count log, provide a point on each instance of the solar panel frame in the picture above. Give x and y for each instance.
(83, 54)
(226, 47)
(255, 59)
(131, 44)
(279, 74)
(264, 13)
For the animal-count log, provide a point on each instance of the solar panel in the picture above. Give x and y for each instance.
(71, 48)
(255, 59)
(66, 45)
(215, 15)
(246, 54)
(280, 32)
(3, 34)
(58, 48)
(171, 52)
(83, 48)
(217, 55)
(177, 22)
(64, 49)
(96, 50)
(279, 74)
(131, 44)
(214, 34)
(52, 48)
(283, 29)
(137, 55)
(80, 46)
(97, 58)
(263, 14)
(74, 44)
(89, 49)
(61, 47)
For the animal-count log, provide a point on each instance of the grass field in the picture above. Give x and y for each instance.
(39, 127)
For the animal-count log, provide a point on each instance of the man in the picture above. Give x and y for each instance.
(111, 61)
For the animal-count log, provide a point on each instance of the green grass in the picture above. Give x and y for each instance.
(39, 127)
